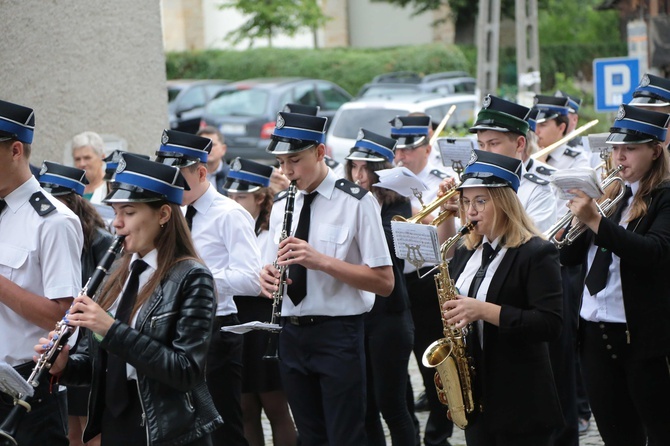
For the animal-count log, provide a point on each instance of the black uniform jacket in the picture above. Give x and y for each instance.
(644, 249)
(513, 373)
(169, 350)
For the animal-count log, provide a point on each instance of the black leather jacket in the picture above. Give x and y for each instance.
(92, 256)
(169, 351)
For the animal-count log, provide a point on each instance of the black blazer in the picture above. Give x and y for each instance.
(513, 372)
(644, 249)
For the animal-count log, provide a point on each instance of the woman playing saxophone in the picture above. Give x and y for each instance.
(510, 292)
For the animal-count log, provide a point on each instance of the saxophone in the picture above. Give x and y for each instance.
(454, 371)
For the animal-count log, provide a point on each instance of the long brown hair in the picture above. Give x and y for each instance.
(658, 173)
(88, 215)
(263, 220)
(173, 244)
(509, 216)
(383, 195)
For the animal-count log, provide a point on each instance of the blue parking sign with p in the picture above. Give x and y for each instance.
(614, 81)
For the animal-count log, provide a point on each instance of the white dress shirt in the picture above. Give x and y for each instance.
(537, 199)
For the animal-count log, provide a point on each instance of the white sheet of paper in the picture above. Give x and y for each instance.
(595, 142)
(248, 326)
(400, 180)
(582, 178)
(415, 243)
(12, 383)
(456, 152)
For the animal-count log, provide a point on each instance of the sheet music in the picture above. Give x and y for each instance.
(456, 152)
(12, 383)
(401, 180)
(415, 243)
(248, 326)
(595, 142)
(582, 178)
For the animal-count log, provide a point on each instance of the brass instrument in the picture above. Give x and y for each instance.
(605, 208)
(58, 342)
(271, 351)
(551, 147)
(454, 371)
(429, 208)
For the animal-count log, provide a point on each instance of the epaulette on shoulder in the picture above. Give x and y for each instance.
(438, 173)
(351, 188)
(571, 153)
(281, 195)
(535, 179)
(41, 205)
(331, 163)
(546, 171)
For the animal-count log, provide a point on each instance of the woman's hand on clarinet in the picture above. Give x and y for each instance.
(59, 364)
(88, 314)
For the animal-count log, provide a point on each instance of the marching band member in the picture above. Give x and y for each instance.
(624, 331)
(220, 228)
(653, 94)
(248, 184)
(146, 364)
(513, 279)
(40, 246)
(336, 265)
(390, 320)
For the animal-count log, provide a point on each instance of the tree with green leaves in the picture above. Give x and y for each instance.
(267, 18)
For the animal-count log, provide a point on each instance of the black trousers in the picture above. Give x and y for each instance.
(46, 423)
(388, 343)
(477, 435)
(224, 380)
(427, 319)
(323, 371)
(629, 398)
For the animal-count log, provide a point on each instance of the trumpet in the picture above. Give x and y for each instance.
(605, 208)
(59, 341)
(429, 208)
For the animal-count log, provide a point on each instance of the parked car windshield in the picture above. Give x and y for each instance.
(251, 102)
(374, 119)
(172, 93)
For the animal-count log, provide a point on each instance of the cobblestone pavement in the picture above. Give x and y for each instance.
(591, 438)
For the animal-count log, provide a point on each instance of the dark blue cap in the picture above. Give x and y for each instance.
(370, 146)
(573, 101)
(302, 109)
(58, 179)
(247, 176)
(635, 125)
(501, 116)
(295, 132)
(653, 91)
(410, 131)
(182, 149)
(140, 180)
(488, 169)
(16, 121)
(550, 107)
(112, 162)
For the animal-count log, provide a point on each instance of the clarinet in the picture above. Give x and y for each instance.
(62, 335)
(271, 351)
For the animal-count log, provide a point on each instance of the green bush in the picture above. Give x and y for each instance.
(350, 68)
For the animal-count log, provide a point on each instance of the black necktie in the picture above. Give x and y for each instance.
(117, 381)
(488, 254)
(297, 290)
(3, 203)
(597, 277)
(190, 212)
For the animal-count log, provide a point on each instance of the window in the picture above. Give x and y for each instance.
(192, 98)
(332, 97)
(304, 94)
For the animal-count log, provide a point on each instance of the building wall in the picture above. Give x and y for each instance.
(380, 24)
(85, 65)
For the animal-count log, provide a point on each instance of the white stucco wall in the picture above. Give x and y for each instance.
(85, 65)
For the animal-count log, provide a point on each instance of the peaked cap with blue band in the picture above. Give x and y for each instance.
(182, 149)
(635, 125)
(653, 91)
(58, 179)
(370, 146)
(410, 131)
(140, 180)
(500, 115)
(295, 132)
(112, 162)
(17, 122)
(487, 169)
(301, 109)
(550, 107)
(531, 119)
(573, 101)
(247, 176)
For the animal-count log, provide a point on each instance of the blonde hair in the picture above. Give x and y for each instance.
(514, 224)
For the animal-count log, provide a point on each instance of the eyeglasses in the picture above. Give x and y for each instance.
(478, 203)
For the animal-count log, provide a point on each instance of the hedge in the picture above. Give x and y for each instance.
(352, 67)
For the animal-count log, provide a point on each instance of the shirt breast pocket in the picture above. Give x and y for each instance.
(11, 259)
(331, 239)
